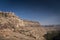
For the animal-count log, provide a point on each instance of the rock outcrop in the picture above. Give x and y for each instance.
(15, 28)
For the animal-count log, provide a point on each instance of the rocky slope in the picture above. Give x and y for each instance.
(14, 28)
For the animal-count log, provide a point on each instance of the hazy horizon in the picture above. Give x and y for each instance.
(47, 12)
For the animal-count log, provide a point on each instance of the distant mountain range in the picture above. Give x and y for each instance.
(51, 25)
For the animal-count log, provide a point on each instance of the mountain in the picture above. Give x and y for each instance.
(14, 28)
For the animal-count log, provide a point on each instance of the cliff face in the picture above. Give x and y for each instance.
(14, 28)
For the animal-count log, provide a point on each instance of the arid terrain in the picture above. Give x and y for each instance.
(14, 28)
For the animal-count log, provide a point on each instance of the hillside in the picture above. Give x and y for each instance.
(14, 28)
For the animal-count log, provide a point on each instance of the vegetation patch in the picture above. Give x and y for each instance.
(52, 35)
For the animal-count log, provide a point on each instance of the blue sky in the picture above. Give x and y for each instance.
(45, 11)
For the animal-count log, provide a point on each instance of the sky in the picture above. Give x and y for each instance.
(47, 12)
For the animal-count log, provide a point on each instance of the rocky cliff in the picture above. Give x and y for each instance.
(15, 28)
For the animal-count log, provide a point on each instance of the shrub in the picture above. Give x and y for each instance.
(52, 35)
